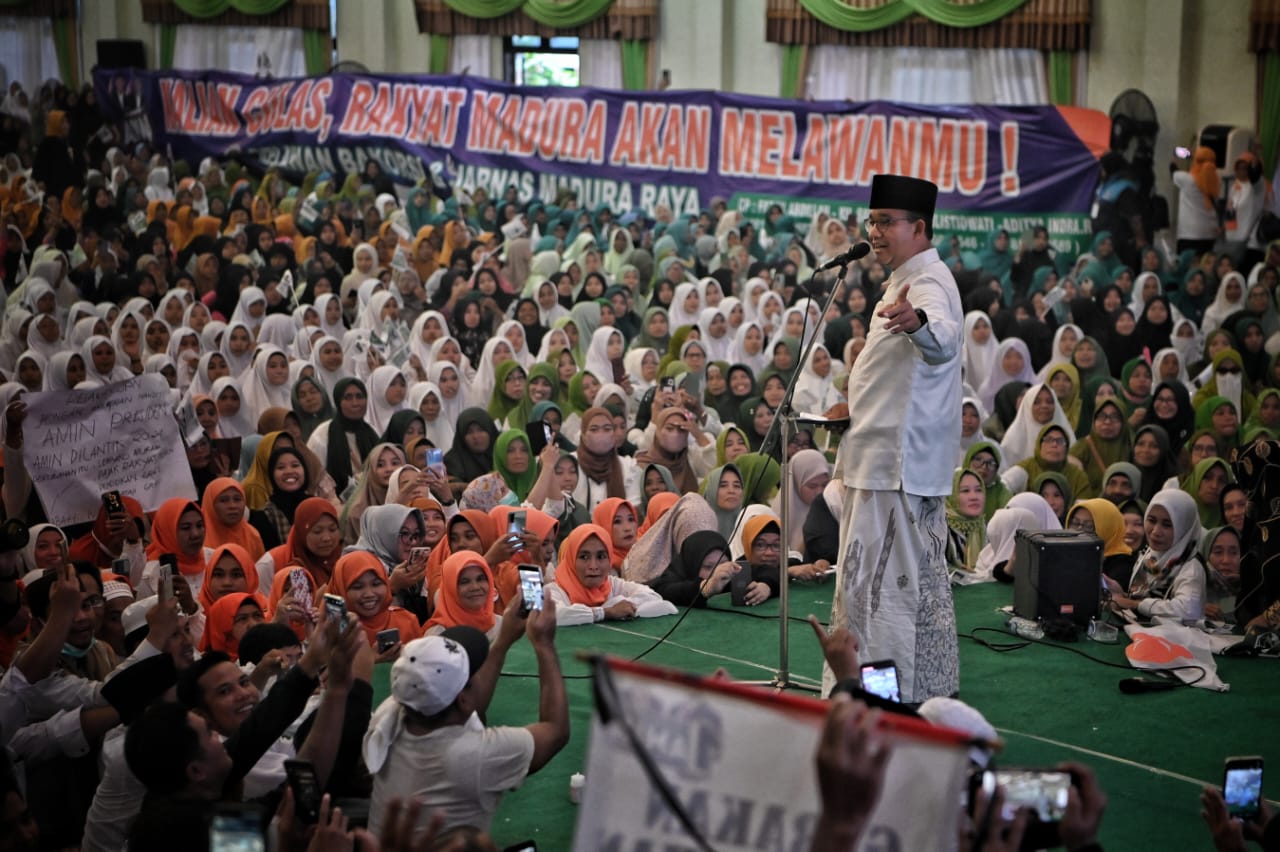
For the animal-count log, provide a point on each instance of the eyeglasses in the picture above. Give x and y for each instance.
(1109, 417)
(93, 602)
(1227, 371)
(767, 546)
(1079, 525)
(983, 464)
(1054, 440)
(884, 223)
(410, 535)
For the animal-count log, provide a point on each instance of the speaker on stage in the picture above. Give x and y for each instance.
(1057, 575)
(121, 53)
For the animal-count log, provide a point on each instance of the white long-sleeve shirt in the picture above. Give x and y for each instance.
(1183, 600)
(648, 603)
(903, 384)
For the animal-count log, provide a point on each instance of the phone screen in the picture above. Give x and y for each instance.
(306, 789)
(235, 833)
(531, 586)
(1242, 789)
(435, 460)
(1043, 793)
(881, 680)
(337, 608)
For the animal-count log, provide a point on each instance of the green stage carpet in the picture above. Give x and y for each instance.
(1152, 752)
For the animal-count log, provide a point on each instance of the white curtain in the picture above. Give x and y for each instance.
(26, 52)
(473, 54)
(600, 63)
(928, 76)
(198, 48)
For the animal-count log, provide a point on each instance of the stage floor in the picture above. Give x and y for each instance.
(1152, 752)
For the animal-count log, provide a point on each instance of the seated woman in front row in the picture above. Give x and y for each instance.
(1168, 578)
(585, 590)
(703, 570)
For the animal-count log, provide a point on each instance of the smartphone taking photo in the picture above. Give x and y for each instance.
(881, 678)
(1242, 786)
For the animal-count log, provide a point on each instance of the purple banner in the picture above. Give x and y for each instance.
(995, 166)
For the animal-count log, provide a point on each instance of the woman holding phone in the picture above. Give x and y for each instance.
(466, 597)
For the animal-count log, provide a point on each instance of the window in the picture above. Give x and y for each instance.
(538, 61)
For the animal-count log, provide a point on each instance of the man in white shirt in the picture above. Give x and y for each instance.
(427, 741)
(900, 450)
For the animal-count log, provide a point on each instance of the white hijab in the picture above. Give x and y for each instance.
(1020, 440)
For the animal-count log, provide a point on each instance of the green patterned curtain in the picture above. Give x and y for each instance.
(1061, 88)
(842, 16)
(214, 8)
(635, 64)
(317, 51)
(64, 45)
(1269, 114)
(168, 39)
(792, 71)
(551, 13)
(438, 59)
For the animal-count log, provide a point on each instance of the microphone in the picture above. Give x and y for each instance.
(859, 251)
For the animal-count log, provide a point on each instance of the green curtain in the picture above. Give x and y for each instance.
(635, 64)
(562, 14)
(842, 16)
(213, 8)
(1269, 120)
(317, 51)
(438, 60)
(1060, 83)
(64, 45)
(168, 39)
(792, 68)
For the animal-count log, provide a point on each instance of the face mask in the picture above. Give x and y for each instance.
(69, 650)
(1229, 385)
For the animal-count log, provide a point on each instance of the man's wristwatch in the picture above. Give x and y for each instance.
(922, 316)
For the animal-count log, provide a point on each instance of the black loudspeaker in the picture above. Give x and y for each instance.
(1057, 575)
(121, 53)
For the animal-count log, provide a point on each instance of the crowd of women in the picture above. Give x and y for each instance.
(405, 398)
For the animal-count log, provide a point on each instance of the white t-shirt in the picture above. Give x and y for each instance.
(462, 770)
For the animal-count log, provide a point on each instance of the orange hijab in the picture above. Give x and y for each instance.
(164, 535)
(605, 512)
(485, 529)
(659, 504)
(220, 620)
(306, 516)
(506, 576)
(754, 527)
(449, 609)
(1204, 170)
(280, 587)
(216, 533)
(355, 565)
(245, 561)
(567, 570)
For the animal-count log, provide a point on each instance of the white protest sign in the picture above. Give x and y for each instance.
(122, 436)
(741, 762)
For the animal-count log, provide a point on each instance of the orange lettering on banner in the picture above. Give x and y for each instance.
(737, 141)
(295, 117)
(380, 108)
(789, 167)
(593, 134)
(527, 134)
(770, 146)
(845, 134)
(697, 138)
(574, 117)
(508, 120)
(812, 165)
(902, 144)
(624, 141)
(651, 116)
(872, 162)
(1009, 185)
(937, 151)
(356, 121)
(484, 107)
(973, 157)
(549, 135)
(674, 150)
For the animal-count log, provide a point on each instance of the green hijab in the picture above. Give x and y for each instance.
(1125, 469)
(1101, 366)
(1068, 496)
(998, 494)
(1096, 453)
(519, 483)
(309, 422)
(969, 535)
(1210, 514)
(500, 405)
(578, 401)
(523, 413)
(721, 438)
(760, 476)
(726, 519)
(646, 340)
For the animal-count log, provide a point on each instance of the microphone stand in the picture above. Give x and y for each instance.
(785, 414)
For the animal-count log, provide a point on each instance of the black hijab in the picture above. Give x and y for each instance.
(1121, 348)
(338, 457)
(463, 464)
(1155, 336)
(1179, 427)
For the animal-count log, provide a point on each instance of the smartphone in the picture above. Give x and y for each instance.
(435, 461)
(168, 569)
(387, 639)
(121, 566)
(337, 608)
(306, 789)
(619, 371)
(530, 587)
(539, 436)
(418, 555)
(1182, 153)
(515, 529)
(113, 503)
(881, 678)
(1242, 786)
(237, 827)
(1041, 791)
(738, 586)
(669, 384)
